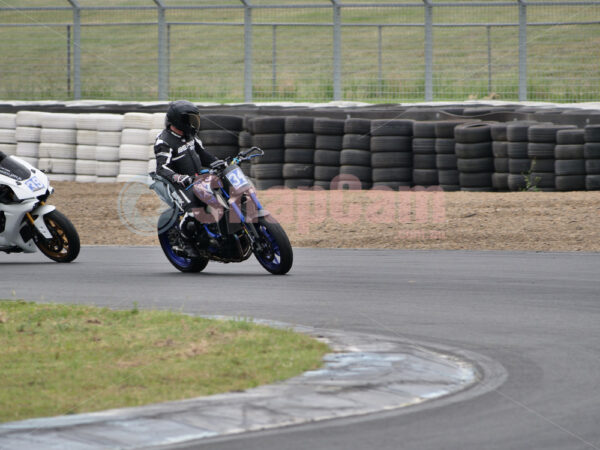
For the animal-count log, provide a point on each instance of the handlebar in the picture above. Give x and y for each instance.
(247, 154)
(216, 167)
(252, 152)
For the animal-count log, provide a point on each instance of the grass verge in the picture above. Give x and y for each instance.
(67, 359)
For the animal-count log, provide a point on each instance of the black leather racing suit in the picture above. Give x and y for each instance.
(175, 155)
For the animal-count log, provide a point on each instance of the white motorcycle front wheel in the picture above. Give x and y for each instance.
(64, 245)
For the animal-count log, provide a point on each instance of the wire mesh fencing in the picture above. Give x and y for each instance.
(317, 50)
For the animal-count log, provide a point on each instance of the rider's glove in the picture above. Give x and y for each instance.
(182, 180)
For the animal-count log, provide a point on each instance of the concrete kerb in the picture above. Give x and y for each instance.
(365, 374)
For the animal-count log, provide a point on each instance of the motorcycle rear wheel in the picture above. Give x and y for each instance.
(277, 257)
(181, 263)
(64, 245)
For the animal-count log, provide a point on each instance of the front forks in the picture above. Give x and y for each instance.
(39, 224)
(249, 226)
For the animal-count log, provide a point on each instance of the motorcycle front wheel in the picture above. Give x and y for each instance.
(64, 245)
(276, 255)
(181, 263)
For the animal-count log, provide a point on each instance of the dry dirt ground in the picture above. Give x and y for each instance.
(126, 213)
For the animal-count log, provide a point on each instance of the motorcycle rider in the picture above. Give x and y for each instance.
(180, 156)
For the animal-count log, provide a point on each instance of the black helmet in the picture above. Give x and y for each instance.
(184, 116)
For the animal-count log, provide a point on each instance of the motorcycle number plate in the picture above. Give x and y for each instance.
(237, 178)
(34, 184)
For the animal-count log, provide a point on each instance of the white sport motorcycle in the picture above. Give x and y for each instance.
(26, 221)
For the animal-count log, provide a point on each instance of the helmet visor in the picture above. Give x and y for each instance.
(194, 122)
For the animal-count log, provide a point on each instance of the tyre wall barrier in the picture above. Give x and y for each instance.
(484, 149)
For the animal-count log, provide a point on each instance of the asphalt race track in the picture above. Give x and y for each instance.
(537, 314)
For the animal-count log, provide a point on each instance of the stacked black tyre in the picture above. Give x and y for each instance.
(475, 159)
(569, 165)
(540, 150)
(391, 153)
(244, 143)
(299, 167)
(500, 153)
(220, 134)
(519, 164)
(329, 135)
(424, 156)
(445, 156)
(355, 157)
(591, 152)
(268, 134)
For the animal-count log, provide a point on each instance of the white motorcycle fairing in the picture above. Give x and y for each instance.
(26, 191)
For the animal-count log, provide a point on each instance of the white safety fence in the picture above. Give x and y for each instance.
(95, 147)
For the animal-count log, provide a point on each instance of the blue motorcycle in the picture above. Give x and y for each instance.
(229, 227)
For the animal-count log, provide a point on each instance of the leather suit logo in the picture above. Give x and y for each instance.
(185, 147)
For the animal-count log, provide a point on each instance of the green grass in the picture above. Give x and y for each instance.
(207, 62)
(67, 359)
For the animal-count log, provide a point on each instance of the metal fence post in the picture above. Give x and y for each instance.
(247, 51)
(76, 49)
(489, 54)
(337, 50)
(68, 59)
(168, 58)
(428, 50)
(522, 50)
(162, 52)
(274, 63)
(379, 60)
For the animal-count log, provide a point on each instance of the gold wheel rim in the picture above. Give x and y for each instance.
(58, 246)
